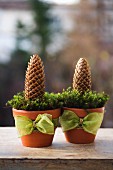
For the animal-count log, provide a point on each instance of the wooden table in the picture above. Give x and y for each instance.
(61, 155)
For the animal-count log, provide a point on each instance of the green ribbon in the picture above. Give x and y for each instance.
(90, 123)
(43, 123)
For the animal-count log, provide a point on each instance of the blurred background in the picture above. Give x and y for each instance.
(60, 31)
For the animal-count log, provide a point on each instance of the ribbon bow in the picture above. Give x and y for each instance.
(43, 124)
(90, 123)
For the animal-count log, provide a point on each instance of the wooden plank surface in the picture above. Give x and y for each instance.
(13, 156)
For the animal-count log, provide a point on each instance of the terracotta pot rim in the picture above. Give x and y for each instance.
(83, 109)
(35, 111)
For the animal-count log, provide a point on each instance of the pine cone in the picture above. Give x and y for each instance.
(82, 76)
(34, 79)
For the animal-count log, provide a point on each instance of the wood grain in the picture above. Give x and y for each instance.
(13, 156)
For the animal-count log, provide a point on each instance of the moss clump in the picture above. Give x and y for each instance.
(48, 102)
(89, 99)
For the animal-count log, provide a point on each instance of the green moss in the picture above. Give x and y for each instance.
(89, 99)
(48, 102)
(68, 98)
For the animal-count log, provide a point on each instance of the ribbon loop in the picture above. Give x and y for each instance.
(43, 124)
(69, 120)
(90, 123)
(24, 125)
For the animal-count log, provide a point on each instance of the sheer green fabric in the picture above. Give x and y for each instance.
(43, 123)
(90, 123)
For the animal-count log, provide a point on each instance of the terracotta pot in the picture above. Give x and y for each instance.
(36, 138)
(78, 135)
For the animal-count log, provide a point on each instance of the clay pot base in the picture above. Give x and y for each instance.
(79, 136)
(37, 139)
